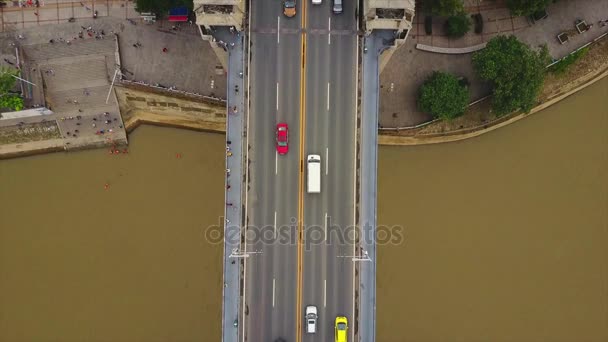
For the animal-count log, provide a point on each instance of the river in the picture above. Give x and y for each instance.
(504, 236)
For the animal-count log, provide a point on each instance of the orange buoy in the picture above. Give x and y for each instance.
(178, 155)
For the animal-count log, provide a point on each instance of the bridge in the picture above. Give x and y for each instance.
(286, 249)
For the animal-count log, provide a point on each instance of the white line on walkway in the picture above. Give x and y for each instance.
(326, 161)
(273, 287)
(278, 30)
(324, 292)
(276, 163)
(329, 35)
(325, 225)
(275, 224)
(277, 96)
(327, 95)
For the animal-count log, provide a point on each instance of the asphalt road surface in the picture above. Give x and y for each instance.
(303, 72)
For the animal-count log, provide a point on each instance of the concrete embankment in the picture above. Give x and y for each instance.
(139, 107)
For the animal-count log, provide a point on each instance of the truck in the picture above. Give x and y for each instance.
(314, 173)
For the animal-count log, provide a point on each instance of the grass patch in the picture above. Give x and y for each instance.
(561, 66)
(29, 132)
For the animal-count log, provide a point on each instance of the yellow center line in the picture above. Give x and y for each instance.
(301, 177)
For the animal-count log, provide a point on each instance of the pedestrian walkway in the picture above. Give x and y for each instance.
(235, 162)
(370, 90)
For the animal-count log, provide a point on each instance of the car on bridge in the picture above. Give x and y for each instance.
(341, 329)
(289, 8)
(311, 319)
(282, 138)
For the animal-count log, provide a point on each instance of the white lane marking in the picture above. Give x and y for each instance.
(275, 224)
(273, 291)
(325, 225)
(327, 95)
(329, 35)
(326, 161)
(278, 30)
(324, 292)
(276, 163)
(277, 96)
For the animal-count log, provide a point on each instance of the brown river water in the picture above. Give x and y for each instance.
(505, 236)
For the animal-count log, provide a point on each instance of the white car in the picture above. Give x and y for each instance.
(311, 319)
(316, 2)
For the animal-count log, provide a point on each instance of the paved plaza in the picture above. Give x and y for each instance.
(409, 67)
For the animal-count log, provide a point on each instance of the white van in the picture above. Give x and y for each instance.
(314, 173)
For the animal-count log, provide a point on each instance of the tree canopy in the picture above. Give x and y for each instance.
(443, 7)
(516, 72)
(526, 7)
(161, 7)
(443, 96)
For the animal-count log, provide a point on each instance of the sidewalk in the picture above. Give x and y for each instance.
(373, 45)
(235, 125)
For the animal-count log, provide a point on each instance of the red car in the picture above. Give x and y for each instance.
(282, 138)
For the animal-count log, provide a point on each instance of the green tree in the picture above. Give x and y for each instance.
(457, 25)
(443, 96)
(443, 7)
(526, 7)
(161, 7)
(516, 72)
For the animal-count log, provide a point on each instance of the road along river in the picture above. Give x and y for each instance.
(504, 236)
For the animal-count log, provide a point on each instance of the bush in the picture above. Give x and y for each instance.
(443, 96)
(478, 19)
(443, 7)
(526, 7)
(457, 25)
(428, 24)
(561, 66)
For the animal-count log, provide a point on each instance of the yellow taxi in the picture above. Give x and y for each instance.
(289, 8)
(341, 329)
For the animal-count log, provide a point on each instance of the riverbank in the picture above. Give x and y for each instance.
(139, 106)
(479, 118)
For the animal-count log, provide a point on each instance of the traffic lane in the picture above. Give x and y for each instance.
(261, 206)
(264, 13)
(318, 15)
(288, 85)
(346, 20)
(314, 275)
(343, 92)
(285, 244)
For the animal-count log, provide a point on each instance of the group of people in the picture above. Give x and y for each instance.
(90, 32)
